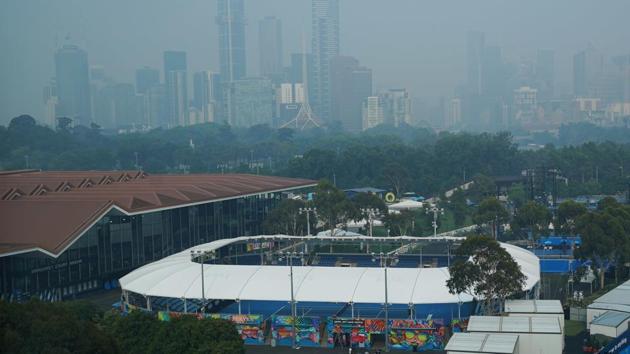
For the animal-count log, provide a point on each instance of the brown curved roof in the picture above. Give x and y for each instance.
(49, 210)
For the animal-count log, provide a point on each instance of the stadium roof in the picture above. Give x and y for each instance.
(482, 343)
(48, 211)
(177, 276)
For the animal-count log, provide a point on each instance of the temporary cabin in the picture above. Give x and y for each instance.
(474, 343)
(611, 324)
(541, 335)
(538, 308)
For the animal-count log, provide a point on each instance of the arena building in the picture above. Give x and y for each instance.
(340, 280)
(63, 233)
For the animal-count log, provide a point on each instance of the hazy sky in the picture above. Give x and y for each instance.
(417, 44)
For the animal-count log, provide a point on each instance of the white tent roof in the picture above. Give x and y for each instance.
(534, 306)
(525, 324)
(406, 204)
(177, 276)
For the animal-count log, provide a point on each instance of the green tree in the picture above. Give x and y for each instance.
(568, 212)
(399, 224)
(459, 207)
(491, 212)
(517, 195)
(38, 327)
(482, 187)
(333, 207)
(488, 273)
(287, 219)
(534, 216)
(369, 200)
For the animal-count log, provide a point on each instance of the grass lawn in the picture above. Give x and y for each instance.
(573, 328)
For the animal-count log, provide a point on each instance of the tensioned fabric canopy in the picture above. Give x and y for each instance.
(177, 276)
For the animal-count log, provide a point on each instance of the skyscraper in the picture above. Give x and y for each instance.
(231, 22)
(249, 102)
(350, 85)
(545, 74)
(396, 107)
(73, 85)
(270, 46)
(146, 78)
(475, 50)
(588, 67)
(325, 46)
(372, 112)
(175, 78)
(207, 91)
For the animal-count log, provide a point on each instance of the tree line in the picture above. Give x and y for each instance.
(397, 159)
(80, 327)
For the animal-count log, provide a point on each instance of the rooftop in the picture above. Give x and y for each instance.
(534, 306)
(611, 319)
(47, 211)
(525, 324)
(616, 299)
(482, 343)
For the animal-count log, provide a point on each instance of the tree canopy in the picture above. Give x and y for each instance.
(485, 270)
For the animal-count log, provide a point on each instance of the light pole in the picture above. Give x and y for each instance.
(384, 261)
(308, 211)
(435, 210)
(546, 246)
(290, 256)
(371, 213)
(202, 256)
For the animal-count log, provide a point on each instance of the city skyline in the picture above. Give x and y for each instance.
(203, 55)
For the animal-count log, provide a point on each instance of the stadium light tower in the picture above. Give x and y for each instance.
(289, 256)
(386, 260)
(371, 213)
(308, 211)
(202, 256)
(435, 210)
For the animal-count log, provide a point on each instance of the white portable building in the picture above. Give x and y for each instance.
(541, 335)
(611, 324)
(538, 308)
(474, 343)
(618, 299)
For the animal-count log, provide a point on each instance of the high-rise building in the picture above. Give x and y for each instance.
(493, 76)
(154, 107)
(50, 104)
(325, 46)
(207, 91)
(525, 103)
(231, 22)
(396, 107)
(270, 46)
(454, 113)
(474, 54)
(175, 78)
(588, 67)
(372, 112)
(73, 85)
(249, 102)
(350, 84)
(146, 78)
(545, 74)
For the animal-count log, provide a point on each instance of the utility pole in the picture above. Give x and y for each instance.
(435, 210)
(290, 256)
(308, 211)
(386, 260)
(371, 213)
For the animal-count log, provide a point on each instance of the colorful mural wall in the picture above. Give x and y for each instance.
(418, 335)
(307, 332)
(352, 332)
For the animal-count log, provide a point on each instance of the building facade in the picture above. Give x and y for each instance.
(73, 85)
(249, 102)
(325, 46)
(231, 22)
(127, 229)
(176, 84)
(270, 47)
(372, 112)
